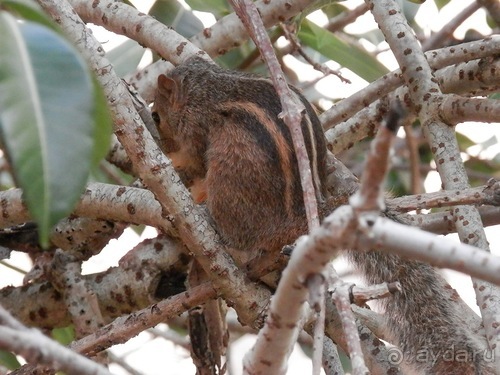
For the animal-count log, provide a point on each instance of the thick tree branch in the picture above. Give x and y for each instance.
(140, 27)
(456, 109)
(119, 290)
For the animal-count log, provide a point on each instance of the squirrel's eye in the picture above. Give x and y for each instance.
(156, 117)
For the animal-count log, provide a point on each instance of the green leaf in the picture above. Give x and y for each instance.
(441, 3)
(64, 335)
(483, 170)
(491, 22)
(232, 58)
(397, 183)
(416, 1)
(173, 14)
(316, 5)
(9, 360)
(46, 118)
(426, 156)
(348, 55)
(28, 10)
(103, 126)
(335, 9)
(219, 8)
(464, 142)
(126, 57)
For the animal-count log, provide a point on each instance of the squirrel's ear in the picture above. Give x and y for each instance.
(164, 81)
(171, 89)
(166, 85)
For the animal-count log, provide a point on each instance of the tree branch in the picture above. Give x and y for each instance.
(488, 194)
(37, 348)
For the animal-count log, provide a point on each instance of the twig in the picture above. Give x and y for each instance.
(122, 363)
(375, 352)
(144, 29)
(472, 78)
(361, 295)
(487, 194)
(367, 203)
(446, 33)
(341, 296)
(406, 242)
(12, 267)
(317, 66)
(442, 222)
(229, 31)
(331, 360)
(414, 159)
(316, 286)
(342, 20)
(123, 328)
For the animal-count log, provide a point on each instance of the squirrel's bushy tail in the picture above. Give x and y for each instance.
(424, 320)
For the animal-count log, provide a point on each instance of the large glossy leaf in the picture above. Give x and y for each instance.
(46, 117)
(126, 57)
(219, 8)
(348, 55)
(173, 14)
(28, 10)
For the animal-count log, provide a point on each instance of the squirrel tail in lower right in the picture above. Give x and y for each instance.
(424, 319)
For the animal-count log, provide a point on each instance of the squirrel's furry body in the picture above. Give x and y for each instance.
(223, 133)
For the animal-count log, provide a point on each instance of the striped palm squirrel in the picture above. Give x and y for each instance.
(223, 133)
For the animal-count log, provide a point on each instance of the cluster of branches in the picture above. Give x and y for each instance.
(441, 87)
